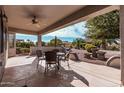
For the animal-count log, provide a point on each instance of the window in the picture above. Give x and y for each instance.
(11, 40)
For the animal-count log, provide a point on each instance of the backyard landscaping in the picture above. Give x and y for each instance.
(80, 56)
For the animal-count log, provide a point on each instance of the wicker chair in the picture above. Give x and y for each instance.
(40, 56)
(51, 59)
(65, 58)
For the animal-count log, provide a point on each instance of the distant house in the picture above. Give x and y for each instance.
(19, 40)
(67, 44)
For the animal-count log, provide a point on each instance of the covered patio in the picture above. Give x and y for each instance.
(21, 70)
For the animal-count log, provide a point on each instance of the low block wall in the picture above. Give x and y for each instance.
(44, 49)
(11, 52)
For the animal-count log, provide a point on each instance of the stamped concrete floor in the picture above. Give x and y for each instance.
(21, 71)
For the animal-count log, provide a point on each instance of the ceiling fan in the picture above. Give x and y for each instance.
(34, 13)
(35, 22)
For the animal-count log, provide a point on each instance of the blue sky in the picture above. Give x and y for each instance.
(66, 34)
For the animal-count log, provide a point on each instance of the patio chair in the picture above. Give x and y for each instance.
(51, 59)
(40, 56)
(66, 58)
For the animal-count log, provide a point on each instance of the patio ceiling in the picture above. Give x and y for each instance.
(53, 16)
(18, 15)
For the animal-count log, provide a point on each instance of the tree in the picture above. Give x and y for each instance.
(104, 27)
(24, 44)
(42, 42)
(78, 42)
(55, 42)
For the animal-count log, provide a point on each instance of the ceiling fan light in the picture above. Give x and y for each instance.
(34, 21)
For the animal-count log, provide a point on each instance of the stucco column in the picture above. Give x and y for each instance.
(39, 37)
(122, 41)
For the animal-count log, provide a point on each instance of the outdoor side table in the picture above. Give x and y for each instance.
(87, 55)
(94, 52)
(73, 56)
(101, 55)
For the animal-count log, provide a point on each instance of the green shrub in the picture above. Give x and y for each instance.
(18, 51)
(24, 44)
(25, 50)
(83, 45)
(89, 47)
(97, 43)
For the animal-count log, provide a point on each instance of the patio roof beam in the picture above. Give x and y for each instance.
(22, 31)
(85, 13)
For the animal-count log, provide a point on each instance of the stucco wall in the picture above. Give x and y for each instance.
(11, 52)
(44, 49)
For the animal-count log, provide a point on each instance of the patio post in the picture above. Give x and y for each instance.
(122, 42)
(39, 40)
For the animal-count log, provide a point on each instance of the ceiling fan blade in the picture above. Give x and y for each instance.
(37, 25)
(29, 24)
(31, 11)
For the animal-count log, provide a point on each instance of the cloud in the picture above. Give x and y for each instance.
(67, 34)
(26, 37)
(75, 31)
